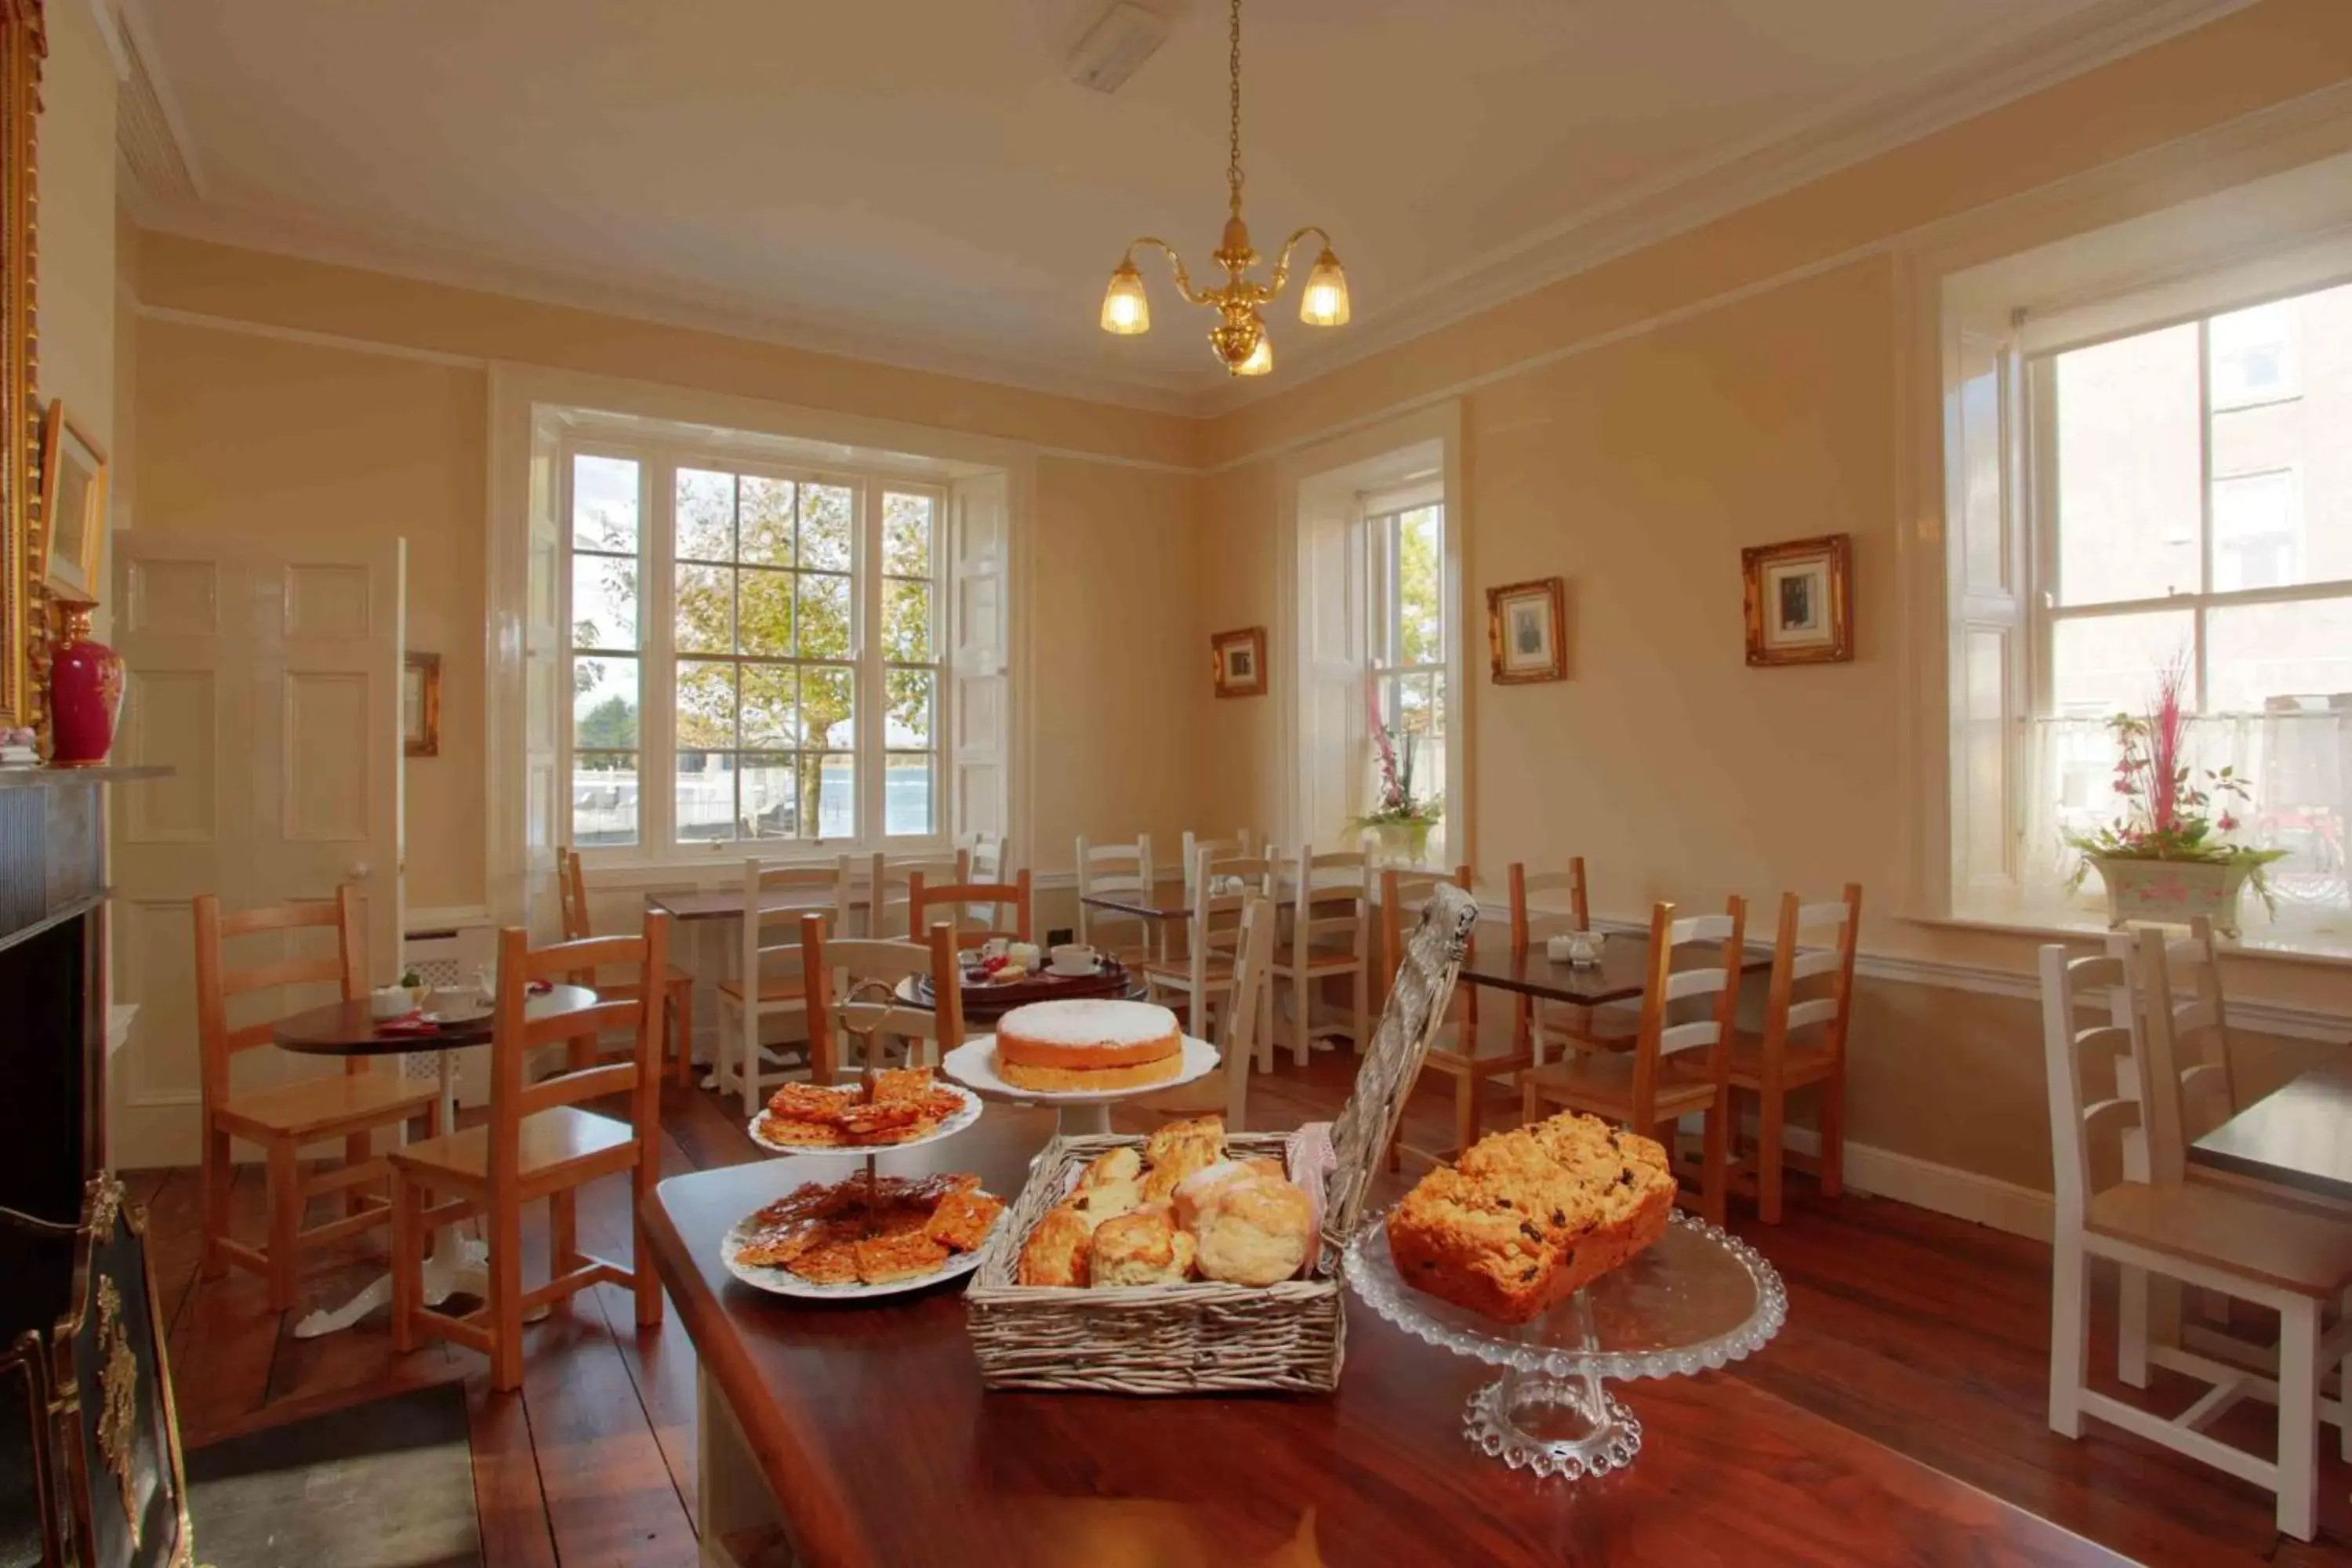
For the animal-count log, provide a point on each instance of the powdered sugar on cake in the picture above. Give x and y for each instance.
(1082, 1024)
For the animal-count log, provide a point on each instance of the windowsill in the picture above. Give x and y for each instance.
(2328, 946)
(725, 864)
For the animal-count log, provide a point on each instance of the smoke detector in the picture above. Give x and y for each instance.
(1120, 40)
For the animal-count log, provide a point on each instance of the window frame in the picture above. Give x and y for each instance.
(1380, 522)
(659, 461)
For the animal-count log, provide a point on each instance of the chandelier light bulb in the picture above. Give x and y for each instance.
(1261, 358)
(1324, 303)
(1126, 312)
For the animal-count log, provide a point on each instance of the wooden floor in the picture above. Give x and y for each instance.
(1923, 1332)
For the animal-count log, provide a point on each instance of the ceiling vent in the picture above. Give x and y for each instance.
(147, 131)
(1125, 37)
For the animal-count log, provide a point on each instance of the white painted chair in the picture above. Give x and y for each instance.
(1242, 845)
(1227, 1092)
(888, 877)
(988, 854)
(1118, 871)
(1328, 900)
(768, 969)
(1204, 975)
(2272, 1254)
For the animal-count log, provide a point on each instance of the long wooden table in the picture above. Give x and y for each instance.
(859, 1434)
(2298, 1136)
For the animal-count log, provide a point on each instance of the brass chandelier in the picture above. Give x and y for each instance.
(1239, 339)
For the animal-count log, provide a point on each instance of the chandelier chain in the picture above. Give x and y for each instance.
(1234, 158)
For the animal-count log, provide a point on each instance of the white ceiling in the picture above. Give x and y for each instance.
(916, 181)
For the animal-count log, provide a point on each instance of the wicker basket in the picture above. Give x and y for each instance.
(1208, 1336)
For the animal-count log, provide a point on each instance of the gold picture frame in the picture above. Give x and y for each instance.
(1799, 600)
(24, 636)
(1526, 631)
(1239, 662)
(73, 508)
(420, 705)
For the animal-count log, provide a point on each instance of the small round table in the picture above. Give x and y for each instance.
(458, 1265)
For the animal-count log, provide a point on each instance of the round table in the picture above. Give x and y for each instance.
(458, 1265)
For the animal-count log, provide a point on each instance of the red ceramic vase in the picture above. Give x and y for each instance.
(85, 694)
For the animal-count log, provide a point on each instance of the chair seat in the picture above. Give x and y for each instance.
(321, 1105)
(2292, 1248)
(779, 989)
(1613, 1024)
(1603, 1086)
(1799, 1064)
(622, 990)
(1218, 971)
(550, 1141)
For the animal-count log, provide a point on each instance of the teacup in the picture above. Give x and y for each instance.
(390, 1002)
(1073, 960)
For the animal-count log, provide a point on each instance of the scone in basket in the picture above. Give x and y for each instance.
(1203, 1336)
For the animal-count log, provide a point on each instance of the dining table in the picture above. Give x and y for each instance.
(727, 903)
(2299, 1136)
(1619, 971)
(850, 1434)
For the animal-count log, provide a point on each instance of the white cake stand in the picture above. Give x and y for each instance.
(1697, 1299)
(973, 1065)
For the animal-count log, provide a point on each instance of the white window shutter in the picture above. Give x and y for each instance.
(1331, 621)
(546, 765)
(979, 726)
(1987, 582)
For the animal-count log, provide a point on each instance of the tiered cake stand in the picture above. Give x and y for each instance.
(1697, 1299)
(973, 1065)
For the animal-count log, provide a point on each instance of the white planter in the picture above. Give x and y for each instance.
(2172, 892)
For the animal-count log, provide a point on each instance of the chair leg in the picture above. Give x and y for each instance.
(407, 1260)
(357, 1150)
(644, 1283)
(748, 1021)
(1773, 1105)
(216, 1175)
(506, 1296)
(1302, 1021)
(1359, 994)
(2131, 1326)
(562, 1233)
(682, 998)
(1466, 1090)
(1712, 1179)
(1833, 1131)
(2070, 1332)
(285, 1222)
(2298, 1436)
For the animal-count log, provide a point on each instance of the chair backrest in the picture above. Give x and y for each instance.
(2196, 1025)
(836, 966)
(927, 903)
(1214, 926)
(1831, 926)
(1113, 870)
(1525, 884)
(888, 878)
(1252, 977)
(774, 900)
(1240, 847)
(217, 985)
(2069, 1053)
(1403, 896)
(572, 895)
(1329, 898)
(1664, 985)
(986, 856)
(639, 961)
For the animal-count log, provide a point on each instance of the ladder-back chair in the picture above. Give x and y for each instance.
(835, 966)
(1802, 1045)
(677, 986)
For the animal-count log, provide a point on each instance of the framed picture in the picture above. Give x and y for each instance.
(420, 705)
(1525, 630)
(73, 507)
(1240, 660)
(1799, 601)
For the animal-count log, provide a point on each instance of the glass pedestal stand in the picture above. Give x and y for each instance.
(1697, 1299)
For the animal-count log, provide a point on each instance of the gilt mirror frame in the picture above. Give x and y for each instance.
(23, 617)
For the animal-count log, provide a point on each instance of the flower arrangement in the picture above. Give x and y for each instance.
(1395, 804)
(2171, 812)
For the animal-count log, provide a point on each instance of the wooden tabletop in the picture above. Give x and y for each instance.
(2298, 1136)
(348, 1028)
(1131, 905)
(872, 1431)
(727, 903)
(1619, 977)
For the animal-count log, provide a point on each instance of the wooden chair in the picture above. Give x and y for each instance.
(1242, 845)
(768, 970)
(350, 1105)
(1772, 1065)
(1541, 1023)
(2198, 1021)
(1227, 1092)
(1673, 1069)
(1119, 871)
(1404, 895)
(677, 990)
(537, 1145)
(834, 966)
(927, 903)
(986, 856)
(887, 884)
(1330, 938)
(1205, 972)
(2275, 1255)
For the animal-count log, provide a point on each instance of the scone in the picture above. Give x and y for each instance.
(1255, 1232)
(1106, 1200)
(1204, 1130)
(1182, 1160)
(1196, 1189)
(1139, 1248)
(1124, 1164)
(1055, 1252)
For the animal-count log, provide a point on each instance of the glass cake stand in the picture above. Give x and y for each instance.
(1697, 1299)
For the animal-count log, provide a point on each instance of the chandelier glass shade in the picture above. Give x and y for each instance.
(1239, 338)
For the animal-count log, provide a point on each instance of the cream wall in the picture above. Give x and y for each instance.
(76, 231)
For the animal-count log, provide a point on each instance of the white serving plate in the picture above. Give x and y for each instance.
(785, 1282)
(948, 1128)
(973, 1065)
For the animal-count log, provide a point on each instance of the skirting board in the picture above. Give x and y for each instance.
(1945, 1189)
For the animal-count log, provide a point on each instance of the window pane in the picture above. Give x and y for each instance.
(763, 610)
(706, 515)
(2108, 664)
(603, 601)
(909, 721)
(2129, 468)
(2257, 531)
(604, 504)
(829, 783)
(704, 618)
(768, 692)
(705, 706)
(827, 712)
(765, 791)
(706, 796)
(906, 621)
(907, 794)
(824, 616)
(1420, 579)
(767, 520)
(603, 798)
(605, 703)
(2253, 353)
(906, 535)
(825, 526)
(2256, 652)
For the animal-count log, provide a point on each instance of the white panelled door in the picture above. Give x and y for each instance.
(980, 550)
(268, 676)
